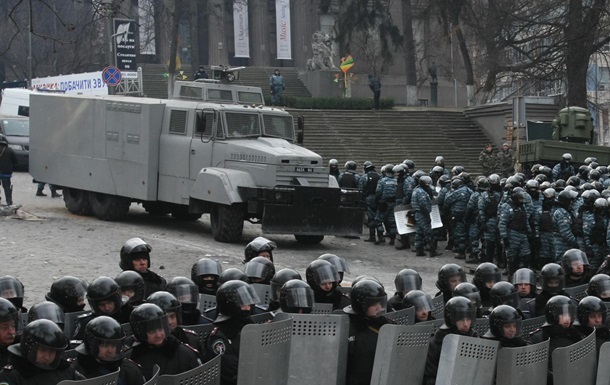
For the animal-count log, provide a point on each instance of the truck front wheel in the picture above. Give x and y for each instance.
(108, 207)
(77, 201)
(227, 222)
(309, 239)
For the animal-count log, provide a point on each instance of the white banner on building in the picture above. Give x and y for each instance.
(282, 29)
(240, 27)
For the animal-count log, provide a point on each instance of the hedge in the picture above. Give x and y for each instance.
(324, 103)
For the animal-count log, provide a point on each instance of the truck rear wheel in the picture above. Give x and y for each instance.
(77, 201)
(227, 222)
(309, 239)
(108, 207)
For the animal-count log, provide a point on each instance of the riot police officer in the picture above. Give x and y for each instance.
(339, 262)
(322, 277)
(564, 169)
(591, 316)
(456, 203)
(259, 247)
(505, 326)
(488, 217)
(102, 352)
(563, 221)
(404, 187)
(234, 300)
(368, 187)
(205, 273)
(404, 281)
(132, 286)
(472, 219)
(11, 288)
(187, 294)
(260, 270)
(421, 203)
(514, 228)
(69, 293)
(546, 231)
(296, 297)
(277, 282)
(485, 277)
(10, 327)
(135, 255)
(422, 302)
(449, 276)
(595, 233)
(349, 178)
(333, 168)
(386, 201)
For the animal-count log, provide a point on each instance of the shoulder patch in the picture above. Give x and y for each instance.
(218, 347)
(193, 349)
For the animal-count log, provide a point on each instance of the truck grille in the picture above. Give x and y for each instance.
(288, 178)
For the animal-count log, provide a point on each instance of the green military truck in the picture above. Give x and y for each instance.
(572, 133)
(214, 148)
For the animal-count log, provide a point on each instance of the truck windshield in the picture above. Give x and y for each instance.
(16, 127)
(279, 126)
(241, 125)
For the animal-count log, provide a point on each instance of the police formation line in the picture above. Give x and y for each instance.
(159, 313)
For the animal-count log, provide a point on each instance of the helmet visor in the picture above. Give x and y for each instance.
(301, 297)
(45, 357)
(208, 267)
(602, 289)
(524, 276)
(326, 274)
(108, 349)
(511, 328)
(512, 299)
(406, 283)
(256, 270)
(185, 293)
(423, 302)
(246, 295)
(10, 288)
(553, 285)
(153, 331)
(475, 298)
(561, 312)
(52, 313)
(374, 307)
(11, 325)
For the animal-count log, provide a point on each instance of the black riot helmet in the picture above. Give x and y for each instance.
(470, 291)
(365, 294)
(146, 318)
(589, 305)
(185, 291)
(524, 275)
(400, 170)
(419, 300)
(279, 279)
(296, 297)
(167, 302)
(567, 157)
(456, 182)
(546, 171)
(459, 308)
(333, 164)
(504, 293)
(132, 249)
(257, 246)
(573, 181)
(104, 289)
(599, 286)
(205, 273)
(601, 205)
(107, 332)
(557, 306)
(447, 273)
(465, 177)
(518, 196)
(486, 273)
(566, 197)
(590, 159)
(350, 165)
(363, 277)
(549, 194)
(38, 334)
(532, 186)
(437, 170)
(231, 274)
(69, 293)
(575, 262)
(553, 278)
(456, 170)
(11, 288)
(583, 171)
(368, 166)
(589, 197)
(407, 280)
(494, 181)
(132, 286)
(339, 262)
(482, 183)
(559, 185)
(535, 170)
(47, 310)
(595, 174)
(320, 272)
(439, 161)
(259, 270)
(425, 181)
(594, 165)
(444, 181)
(10, 313)
(504, 315)
(231, 296)
(416, 175)
(541, 178)
(389, 169)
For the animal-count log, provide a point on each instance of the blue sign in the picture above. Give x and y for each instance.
(111, 76)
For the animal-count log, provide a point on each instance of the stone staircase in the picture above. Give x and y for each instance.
(155, 84)
(393, 136)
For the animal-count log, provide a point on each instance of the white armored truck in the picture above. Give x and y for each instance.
(213, 149)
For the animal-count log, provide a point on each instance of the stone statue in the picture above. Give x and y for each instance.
(322, 48)
(432, 72)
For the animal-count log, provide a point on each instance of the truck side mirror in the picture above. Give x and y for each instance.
(301, 126)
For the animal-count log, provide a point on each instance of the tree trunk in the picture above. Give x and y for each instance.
(409, 47)
(193, 12)
(178, 6)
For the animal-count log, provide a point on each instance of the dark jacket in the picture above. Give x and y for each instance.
(434, 352)
(337, 298)
(190, 338)
(22, 372)
(363, 335)
(153, 281)
(558, 336)
(224, 340)
(8, 160)
(89, 367)
(173, 357)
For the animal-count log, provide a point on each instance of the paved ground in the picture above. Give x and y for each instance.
(43, 241)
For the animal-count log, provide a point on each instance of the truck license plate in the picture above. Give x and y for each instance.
(303, 169)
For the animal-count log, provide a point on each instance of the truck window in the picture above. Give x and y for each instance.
(249, 97)
(177, 122)
(207, 126)
(240, 125)
(187, 92)
(279, 126)
(220, 95)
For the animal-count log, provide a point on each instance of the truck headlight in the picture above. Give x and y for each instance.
(17, 147)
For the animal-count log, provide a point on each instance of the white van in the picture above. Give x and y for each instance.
(15, 102)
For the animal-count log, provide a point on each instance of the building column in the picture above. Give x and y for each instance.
(218, 50)
(260, 38)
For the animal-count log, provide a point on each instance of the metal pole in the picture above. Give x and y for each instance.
(108, 32)
(30, 72)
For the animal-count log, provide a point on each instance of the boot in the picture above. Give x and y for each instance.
(54, 194)
(9, 195)
(404, 243)
(460, 255)
(392, 240)
(472, 258)
(39, 193)
(433, 252)
(420, 252)
(449, 246)
(380, 239)
(371, 237)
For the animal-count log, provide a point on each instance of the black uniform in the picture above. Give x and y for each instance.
(602, 334)
(193, 317)
(122, 317)
(224, 340)
(22, 372)
(558, 336)
(434, 352)
(363, 335)
(173, 357)
(395, 302)
(153, 281)
(89, 367)
(4, 354)
(190, 338)
(336, 297)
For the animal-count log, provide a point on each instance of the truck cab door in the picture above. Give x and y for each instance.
(202, 143)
